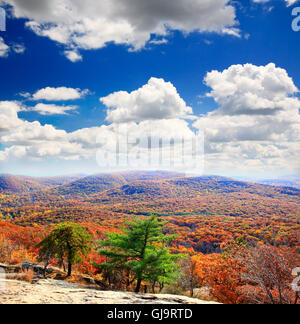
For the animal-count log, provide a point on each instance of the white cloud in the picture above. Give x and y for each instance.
(291, 2)
(257, 126)
(59, 94)
(14, 130)
(25, 95)
(27, 134)
(73, 56)
(154, 101)
(252, 90)
(92, 24)
(260, 159)
(240, 137)
(19, 48)
(33, 141)
(158, 41)
(9, 116)
(4, 49)
(46, 109)
(288, 2)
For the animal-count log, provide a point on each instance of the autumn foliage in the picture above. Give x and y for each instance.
(241, 240)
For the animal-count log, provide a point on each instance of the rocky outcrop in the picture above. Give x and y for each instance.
(61, 292)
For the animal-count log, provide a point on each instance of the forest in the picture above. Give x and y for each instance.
(230, 233)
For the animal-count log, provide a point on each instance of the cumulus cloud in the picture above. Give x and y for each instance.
(257, 124)
(4, 49)
(92, 24)
(28, 133)
(259, 136)
(46, 109)
(253, 158)
(157, 99)
(252, 90)
(9, 115)
(73, 56)
(288, 2)
(16, 131)
(31, 140)
(59, 94)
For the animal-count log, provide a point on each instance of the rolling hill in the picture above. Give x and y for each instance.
(18, 184)
(21, 191)
(204, 211)
(21, 184)
(98, 183)
(187, 188)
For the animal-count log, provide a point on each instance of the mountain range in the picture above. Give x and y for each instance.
(203, 210)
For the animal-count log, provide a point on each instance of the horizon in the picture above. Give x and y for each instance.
(186, 174)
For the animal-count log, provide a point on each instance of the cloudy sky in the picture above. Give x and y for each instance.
(73, 73)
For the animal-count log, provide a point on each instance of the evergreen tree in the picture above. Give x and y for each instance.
(67, 241)
(143, 251)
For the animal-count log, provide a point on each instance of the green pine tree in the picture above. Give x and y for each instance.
(141, 250)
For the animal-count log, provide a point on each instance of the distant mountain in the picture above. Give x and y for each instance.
(150, 175)
(96, 184)
(293, 182)
(89, 185)
(23, 184)
(54, 189)
(58, 181)
(18, 184)
(128, 186)
(186, 187)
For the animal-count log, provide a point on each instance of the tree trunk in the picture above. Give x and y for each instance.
(296, 298)
(153, 287)
(45, 269)
(161, 287)
(138, 286)
(192, 291)
(69, 269)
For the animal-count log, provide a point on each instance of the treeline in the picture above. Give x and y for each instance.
(139, 255)
(142, 257)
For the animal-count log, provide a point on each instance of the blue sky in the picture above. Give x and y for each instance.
(261, 34)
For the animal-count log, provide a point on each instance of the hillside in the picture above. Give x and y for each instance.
(18, 184)
(187, 187)
(22, 184)
(204, 211)
(101, 182)
(54, 190)
(205, 214)
(89, 185)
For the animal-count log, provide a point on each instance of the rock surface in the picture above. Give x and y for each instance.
(61, 292)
